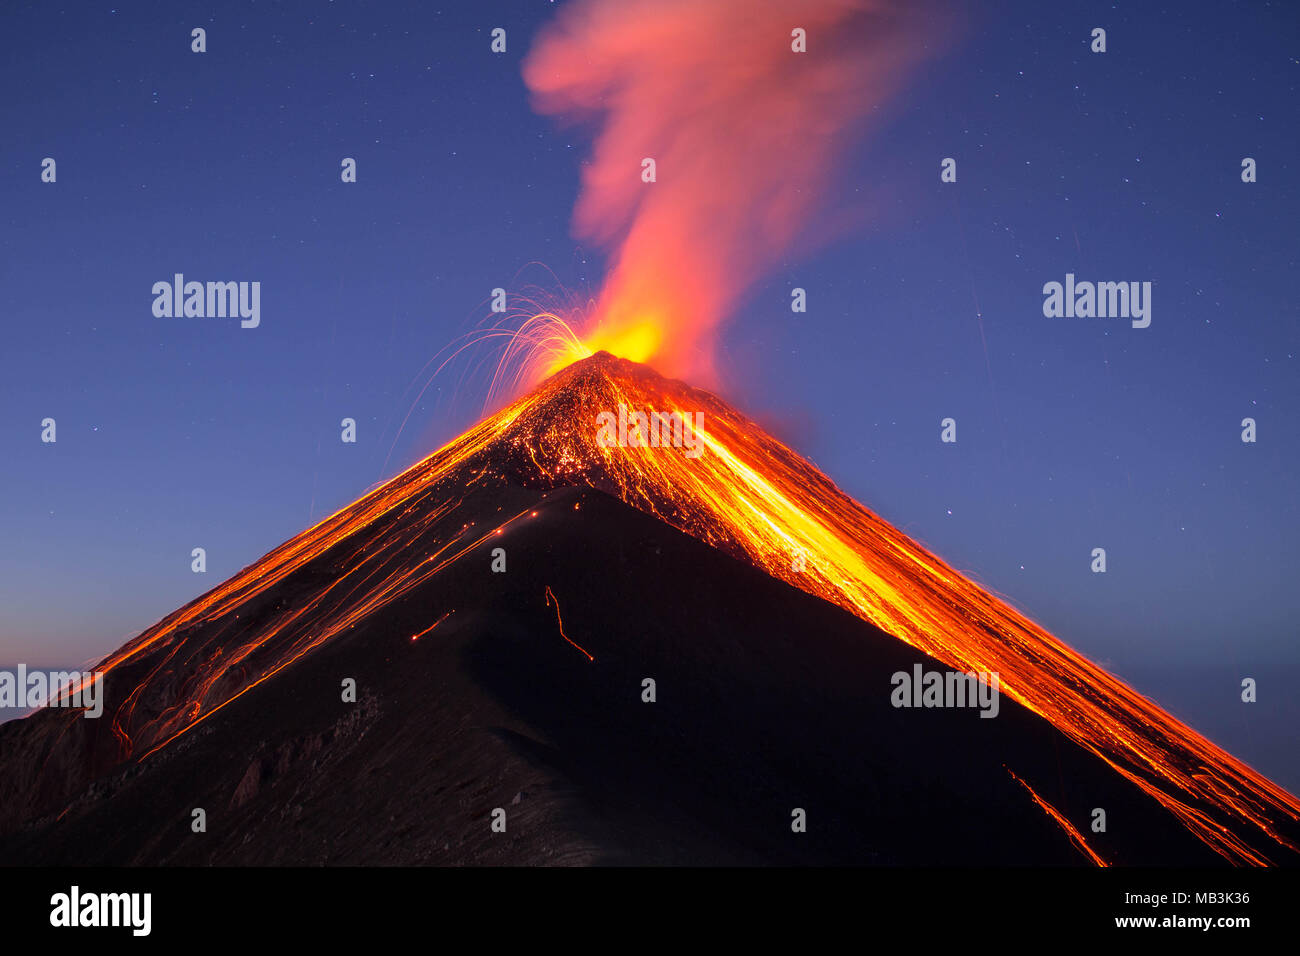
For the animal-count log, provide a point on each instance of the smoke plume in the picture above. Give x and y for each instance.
(744, 133)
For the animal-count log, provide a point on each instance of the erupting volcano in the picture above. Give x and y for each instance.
(627, 559)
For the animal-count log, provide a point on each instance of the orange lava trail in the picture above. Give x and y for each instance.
(416, 637)
(1070, 830)
(550, 597)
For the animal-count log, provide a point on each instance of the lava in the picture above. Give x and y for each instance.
(1070, 829)
(746, 494)
(551, 599)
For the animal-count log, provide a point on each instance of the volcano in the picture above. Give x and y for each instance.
(570, 650)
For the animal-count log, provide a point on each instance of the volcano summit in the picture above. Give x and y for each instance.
(376, 690)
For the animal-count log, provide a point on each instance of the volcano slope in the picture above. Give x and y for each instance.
(770, 610)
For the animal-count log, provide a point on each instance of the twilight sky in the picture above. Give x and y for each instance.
(1073, 433)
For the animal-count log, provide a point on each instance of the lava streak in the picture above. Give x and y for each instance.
(1070, 829)
(551, 599)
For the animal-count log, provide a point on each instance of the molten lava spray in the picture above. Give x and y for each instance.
(744, 132)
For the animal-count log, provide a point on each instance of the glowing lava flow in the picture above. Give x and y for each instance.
(1070, 829)
(747, 494)
(552, 599)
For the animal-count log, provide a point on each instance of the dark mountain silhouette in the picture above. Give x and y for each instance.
(769, 609)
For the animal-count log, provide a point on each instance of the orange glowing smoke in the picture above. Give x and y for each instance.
(744, 133)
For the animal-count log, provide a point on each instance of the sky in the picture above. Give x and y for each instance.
(1072, 433)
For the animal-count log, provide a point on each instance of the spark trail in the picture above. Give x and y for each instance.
(551, 599)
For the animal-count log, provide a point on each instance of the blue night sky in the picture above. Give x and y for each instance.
(1073, 433)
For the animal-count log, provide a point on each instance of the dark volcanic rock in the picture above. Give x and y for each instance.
(767, 700)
